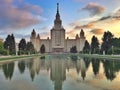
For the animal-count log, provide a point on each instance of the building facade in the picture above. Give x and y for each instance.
(57, 41)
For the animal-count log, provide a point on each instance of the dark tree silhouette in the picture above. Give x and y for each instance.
(86, 48)
(9, 44)
(30, 48)
(22, 46)
(107, 41)
(94, 45)
(73, 49)
(42, 49)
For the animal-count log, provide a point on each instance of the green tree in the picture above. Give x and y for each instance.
(73, 49)
(2, 50)
(86, 48)
(22, 46)
(30, 48)
(115, 42)
(107, 41)
(94, 45)
(9, 44)
(42, 49)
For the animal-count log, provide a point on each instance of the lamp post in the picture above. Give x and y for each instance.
(8, 50)
(112, 49)
(99, 48)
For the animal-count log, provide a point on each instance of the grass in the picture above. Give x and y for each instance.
(100, 56)
(81, 55)
(18, 57)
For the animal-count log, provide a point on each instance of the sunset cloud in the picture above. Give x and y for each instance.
(89, 25)
(71, 33)
(114, 16)
(94, 8)
(17, 17)
(97, 31)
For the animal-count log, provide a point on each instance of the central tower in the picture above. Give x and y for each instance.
(57, 21)
(58, 34)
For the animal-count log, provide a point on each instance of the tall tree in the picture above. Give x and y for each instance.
(30, 47)
(22, 46)
(9, 44)
(94, 45)
(86, 48)
(107, 41)
(13, 47)
(42, 49)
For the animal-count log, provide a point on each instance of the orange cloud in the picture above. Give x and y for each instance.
(89, 25)
(72, 33)
(97, 31)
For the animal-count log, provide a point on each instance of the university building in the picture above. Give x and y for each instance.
(57, 41)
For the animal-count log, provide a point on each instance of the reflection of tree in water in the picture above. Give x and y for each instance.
(80, 65)
(110, 69)
(74, 57)
(87, 62)
(8, 70)
(95, 65)
(21, 66)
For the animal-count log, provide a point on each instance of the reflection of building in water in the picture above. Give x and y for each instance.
(80, 66)
(58, 72)
(83, 68)
(38, 64)
(34, 67)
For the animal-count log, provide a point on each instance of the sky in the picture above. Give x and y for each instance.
(95, 17)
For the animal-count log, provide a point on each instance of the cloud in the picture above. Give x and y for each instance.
(31, 8)
(94, 8)
(104, 20)
(44, 35)
(114, 16)
(97, 31)
(17, 17)
(22, 36)
(89, 25)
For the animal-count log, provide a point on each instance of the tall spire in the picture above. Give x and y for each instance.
(57, 7)
(57, 14)
(57, 22)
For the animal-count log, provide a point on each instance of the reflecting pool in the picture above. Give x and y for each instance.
(60, 72)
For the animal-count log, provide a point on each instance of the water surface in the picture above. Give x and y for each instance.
(60, 72)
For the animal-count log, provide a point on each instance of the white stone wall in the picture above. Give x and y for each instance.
(82, 43)
(47, 44)
(69, 43)
(33, 40)
(37, 45)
